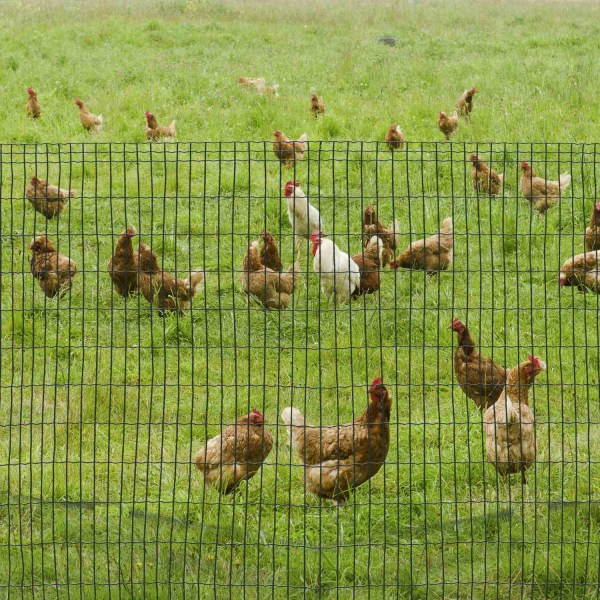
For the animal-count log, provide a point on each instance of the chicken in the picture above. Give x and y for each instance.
(53, 270)
(465, 103)
(270, 288)
(123, 265)
(93, 123)
(448, 124)
(592, 232)
(369, 264)
(163, 289)
(338, 459)
(541, 193)
(288, 151)
(394, 138)
(480, 378)
(389, 236)
(340, 276)
(236, 454)
(304, 217)
(33, 108)
(582, 271)
(49, 200)
(269, 254)
(509, 423)
(433, 254)
(156, 132)
(317, 106)
(259, 84)
(253, 82)
(485, 180)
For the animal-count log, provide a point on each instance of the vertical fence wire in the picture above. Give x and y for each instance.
(106, 400)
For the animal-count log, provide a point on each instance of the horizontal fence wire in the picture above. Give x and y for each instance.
(106, 400)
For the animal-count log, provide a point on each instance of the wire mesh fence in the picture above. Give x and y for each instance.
(115, 375)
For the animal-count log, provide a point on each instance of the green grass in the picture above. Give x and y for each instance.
(103, 403)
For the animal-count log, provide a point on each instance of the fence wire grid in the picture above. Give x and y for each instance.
(106, 400)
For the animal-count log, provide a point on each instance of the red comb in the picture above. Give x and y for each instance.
(257, 413)
(377, 381)
(534, 360)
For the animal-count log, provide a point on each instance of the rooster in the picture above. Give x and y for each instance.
(54, 271)
(288, 151)
(236, 454)
(92, 123)
(448, 125)
(433, 254)
(394, 138)
(304, 217)
(582, 271)
(541, 193)
(123, 265)
(509, 423)
(156, 132)
(163, 289)
(33, 108)
(270, 288)
(340, 275)
(388, 235)
(49, 200)
(485, 180)
(465, 103)
(480, 378)
(317, 107)
(338, 459)
(369, 263)
(592, 232)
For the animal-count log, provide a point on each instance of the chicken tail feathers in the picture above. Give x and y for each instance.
(303, 138)
(501, 178)
(195, 282)
(292, 417)
(565, 181)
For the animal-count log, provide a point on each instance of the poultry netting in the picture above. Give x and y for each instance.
(366, 371)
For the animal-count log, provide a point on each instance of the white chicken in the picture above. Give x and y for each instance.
(339, 274)
(304, 217)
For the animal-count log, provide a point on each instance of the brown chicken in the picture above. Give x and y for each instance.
(592, 232)
(235, 455)
(317, 106)
(123, 265)
(155, 132)
(509, 423)
(270, 288)
(338, 459)
(541, 193)
(92, 123)
(49, 200)
(480, 378)
(388, 235)
(465, 103)
(369, 263)
(53, 270)
(33, 108)
(394, 138)
(448, 125)
(161, 288)
(485, 180)
(269, 253)
(582, 271)
(252, 82)
(288, 151)
(433, 254)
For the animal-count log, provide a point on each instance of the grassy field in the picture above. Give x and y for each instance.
(104, 403)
